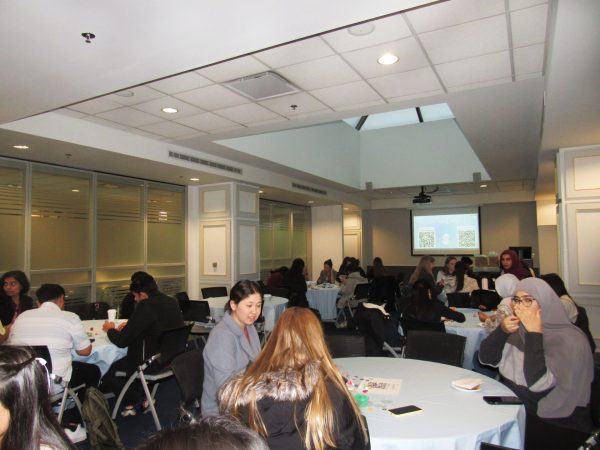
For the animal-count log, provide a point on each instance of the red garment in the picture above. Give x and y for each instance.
(275, 279)
(517, 268)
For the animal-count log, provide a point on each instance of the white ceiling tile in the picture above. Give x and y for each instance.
(71, 113)
(386, 30)
(267, 122)
(295, 53)
(467, 40)
(481, 84)
(311, 114)
(104, 122)
(529, 25)
(346, 94)
(359, 106)
(475, 70)
(529, 59)
(169, 129)
(305, 104)
(320, 73)
(180, 83)
(407, 50)
(230, 70)
(144, 133)
(521, 4)
(248, 113)
(406, 83)
(212, 97)
(206, 122)
(421, 95)
(95, 106)
(155, 107)
(141, 94)
(528, 76)
(452, 13)
(227, 129)
(129, 117)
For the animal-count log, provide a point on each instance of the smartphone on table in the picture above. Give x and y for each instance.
(502, 400)
(403, 410)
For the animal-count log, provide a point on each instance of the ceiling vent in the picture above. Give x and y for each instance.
(262, 86)
(303, 187)
(205, 162)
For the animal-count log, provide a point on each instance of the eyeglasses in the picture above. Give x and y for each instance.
(526, 300)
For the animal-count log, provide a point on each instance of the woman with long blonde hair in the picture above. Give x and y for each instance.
(293, 395)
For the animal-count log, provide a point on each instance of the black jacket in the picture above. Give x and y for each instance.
(142, 332)
(282, 399)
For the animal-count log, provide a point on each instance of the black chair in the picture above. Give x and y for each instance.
(188, 369)
(382, 290)
(277, 292)
(184, 300)
(437, 347)
(361, 291)
(486, 446)
(484, 299)
(409, 325)
(380, 331)
(459, 299)
(217, 291)
(81, 309)
(97, 311)
(156, 368)
(197, 311)
(346, 345)
(583, 323)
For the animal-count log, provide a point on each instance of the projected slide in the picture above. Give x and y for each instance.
(445, 233)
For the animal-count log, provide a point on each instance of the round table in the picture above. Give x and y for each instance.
(450, 419)
(324, 300)
(104, 352)
(272, 309)
(470, 329)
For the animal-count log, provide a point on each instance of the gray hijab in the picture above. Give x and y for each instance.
(566, 352)
(506, 285)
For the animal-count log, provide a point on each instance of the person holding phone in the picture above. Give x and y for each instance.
(539, 354)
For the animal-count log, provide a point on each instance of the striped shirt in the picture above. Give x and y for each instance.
(61, 331)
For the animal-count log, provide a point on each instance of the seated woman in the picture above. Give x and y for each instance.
(343, 270)
(464, 283)
(233, 343)
(277, 277)
(538, 352)
(26, 419)
(349, 283)
(510, 263)
(446, 277)
(295, 280)
(293, 394)
(424, 271)
(377, 269)
(13, 299)
(425, 308)
(328, 275)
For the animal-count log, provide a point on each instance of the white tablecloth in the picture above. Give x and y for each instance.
(323, 299)
(272, 309)
(471, 330)
(104, 353)
(450, 420)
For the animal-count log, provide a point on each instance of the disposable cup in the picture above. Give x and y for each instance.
(112, 315)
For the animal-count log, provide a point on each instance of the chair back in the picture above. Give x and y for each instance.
(81, 309)
(459, 299)
(437, 347)
(197, 311)
(346, 345)
(382, 290)
(361, 291)
(184, 301)
(41, 351)
(409, 325)
(188, 368)
(173, 342)
(97, 311)
(277, 292)
(583, 323)
(217, 291)
(488, 299)
(486, 446)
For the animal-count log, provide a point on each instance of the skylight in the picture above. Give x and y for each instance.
(409, 116)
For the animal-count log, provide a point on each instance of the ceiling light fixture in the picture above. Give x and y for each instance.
(261, 192)
(483, 185)
(169, 110)
(387, 59)
(74, 190)
(21, 147)
(194, 179)
(362, 29)
(310, 202)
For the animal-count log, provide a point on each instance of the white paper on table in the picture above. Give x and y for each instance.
(389, 386)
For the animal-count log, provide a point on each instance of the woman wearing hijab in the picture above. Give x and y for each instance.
(538, 352)
(510, 263)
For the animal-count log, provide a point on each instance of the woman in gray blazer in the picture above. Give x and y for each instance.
(233, 344)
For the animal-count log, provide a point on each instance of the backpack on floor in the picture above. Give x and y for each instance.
(101, 429)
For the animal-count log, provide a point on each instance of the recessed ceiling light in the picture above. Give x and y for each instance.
(261, 192)
(310, 202)
(361, 29)
(125, 94)
(169, 110)
(483, 185)
(387, 59)
(74, 190)
(194, 179)
(21, 147)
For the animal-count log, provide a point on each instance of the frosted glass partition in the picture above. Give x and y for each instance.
(119, 223)
(166, 231)
(115, 274)
(12, 216)
(60, 219)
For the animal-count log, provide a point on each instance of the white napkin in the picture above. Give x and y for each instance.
(471, 384)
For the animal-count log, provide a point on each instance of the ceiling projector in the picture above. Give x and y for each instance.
(423, 197)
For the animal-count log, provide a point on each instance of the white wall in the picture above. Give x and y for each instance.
(327, 237)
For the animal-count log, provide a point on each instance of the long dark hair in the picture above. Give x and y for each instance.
(241, 290)
(460, 271)
(18, 275)
(556, 283)
(446, 262)
(421, 305)
(24, 392)
(297, 267)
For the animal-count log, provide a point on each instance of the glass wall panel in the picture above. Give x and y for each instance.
(166, 227)
(171, 286)
(120, 224)
(300, 232)
(60, 219)
(71, 277)
(12, 216)
(117, 274)
(167, 271)
(112, 293)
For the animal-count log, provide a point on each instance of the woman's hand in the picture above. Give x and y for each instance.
(530, 316)
(107, 326)
(510, 324)
(483, 316)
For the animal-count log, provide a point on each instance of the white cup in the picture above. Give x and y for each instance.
(268, 297)
(112, 315)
